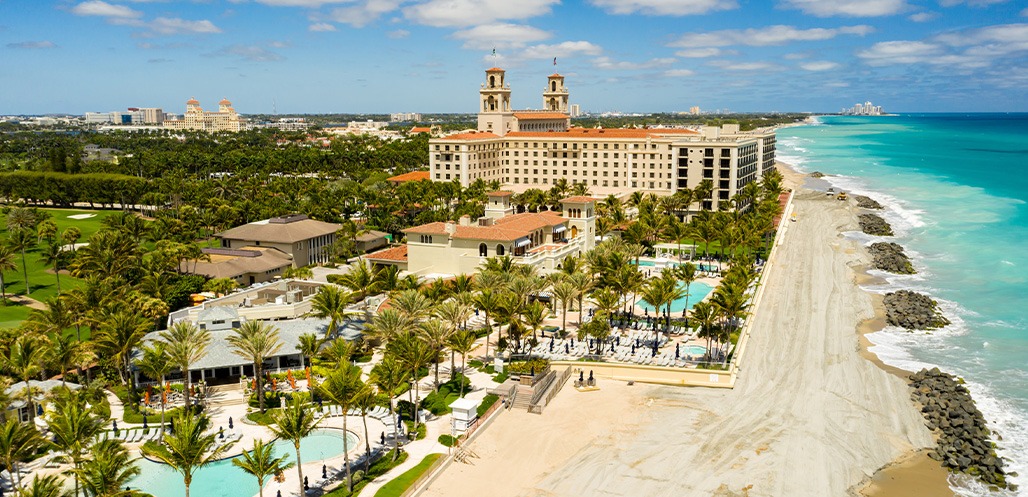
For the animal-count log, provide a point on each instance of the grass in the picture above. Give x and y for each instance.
(401, 483)
(261, 418)
(381, 467)
(487, 402)
(41, 278)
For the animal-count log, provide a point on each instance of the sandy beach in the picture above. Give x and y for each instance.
(810, 414)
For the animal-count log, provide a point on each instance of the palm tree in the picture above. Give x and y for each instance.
(330, 302)
(256, 341)
(294, 423)
(338, 353)
(73, 426)
(362, 280)
(188, 448)
(18, 443)
(705, 316)
(435, 334)
(51, 321)
(488, 301)
(687, 274)
(156, 364)
(462, 342)
(120, 333)
(388, 375)
(51, 256)
(582, 282)
(46, 486)
(414, 354)
(65, 352)
(21, 241)
(565, 292)
(309, 346)
(23, 358)
(261, 463)
(386, 325)
(187, 344)
(6, 264)
(365, 400)
(534, 316)
(108, 469)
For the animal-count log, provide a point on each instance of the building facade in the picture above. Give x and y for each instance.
(533, 149)
(305, 240)
(196, 119)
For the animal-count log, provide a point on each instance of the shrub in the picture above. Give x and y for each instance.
(447, 440)
(261, 418)
(271, 398)
(526, 367)
(438, 402)
(487, 402)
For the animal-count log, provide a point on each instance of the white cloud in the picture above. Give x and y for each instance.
(664, 7)
(678, 73)
(563, 49)
(31, 45)
(605, 62)
(819, 65)
(280, 44)
(252, 53)
(104, 9)
(700, 53)
(899, 52)
(999, 39)
(500, 35)
(847, 8)
(310, 4)
(759, 37)
(923, 16)
(399, 33)
(364, 13)
(972, 3)
(320, 27)
(744, 66)
(174, 26)
(460, 13)
(796, 56)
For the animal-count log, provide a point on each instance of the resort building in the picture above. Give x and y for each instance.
(533, 149)
(41, 394)
(306, 241)
(197, 119)
(542, 239)
(246, 265)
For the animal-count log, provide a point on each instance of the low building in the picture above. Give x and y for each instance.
(246, 265)
(372, 240)
(40, 391)
(542, 239)
(306, 241)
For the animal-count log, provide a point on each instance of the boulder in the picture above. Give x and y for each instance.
(874, 225)
(890, 257)
(914, 311)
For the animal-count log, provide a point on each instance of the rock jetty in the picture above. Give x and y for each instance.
(890, 257)
(913, 311)
(817, 174)
(867, 202)
(963, 439)
(874, 225)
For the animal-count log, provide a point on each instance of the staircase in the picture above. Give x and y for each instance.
(524, 397)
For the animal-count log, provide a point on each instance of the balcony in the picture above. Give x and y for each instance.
(538, 254)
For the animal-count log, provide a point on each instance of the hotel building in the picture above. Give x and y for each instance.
(197, 119)
(533, 149)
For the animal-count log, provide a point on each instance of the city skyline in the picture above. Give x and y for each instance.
(383, 56)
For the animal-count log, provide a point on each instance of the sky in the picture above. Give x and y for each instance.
(384, 56)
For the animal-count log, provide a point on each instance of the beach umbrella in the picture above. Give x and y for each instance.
(306, 486)
(278, 494)
(566, 349)
(382, 438)
(221, 432)
(230, 422)
(146, 397)
(590, 375)
(324, 471)
(633, 349)
(676, 351)
(551, 346)
(144, 421)
(115, 425)
(581, 376)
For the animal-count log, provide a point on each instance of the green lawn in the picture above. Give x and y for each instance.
(399, 485)
(41, 277)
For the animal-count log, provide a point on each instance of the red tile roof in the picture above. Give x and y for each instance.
(556, 75)
(390, 254)
(601, 133)
(436, 228)
(578, 199)
(505, 229)
(421, 129)
(494, 69)
(411, 176)
(500, 193)
(530, 116)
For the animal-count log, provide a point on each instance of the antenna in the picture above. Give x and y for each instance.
(274, 107)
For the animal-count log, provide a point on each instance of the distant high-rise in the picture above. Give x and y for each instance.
(197, 119)
(694, 110)
(576, 110)
(864, 109)
(405, 117)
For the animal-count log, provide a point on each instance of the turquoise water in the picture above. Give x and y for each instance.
(955, 190)
(694, 351)
(697, 292)
(699, 266)
(223, 479)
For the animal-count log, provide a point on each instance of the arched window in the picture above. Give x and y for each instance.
(499, 250)
(492, 81)
(483, 250)
(553, 86)
(574, 232)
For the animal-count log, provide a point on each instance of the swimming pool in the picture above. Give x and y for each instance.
(693, 350)
(697, 292)
(223, 479)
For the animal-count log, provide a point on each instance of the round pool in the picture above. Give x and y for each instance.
(224, 479)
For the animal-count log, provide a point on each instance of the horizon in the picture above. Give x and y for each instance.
(429, 56)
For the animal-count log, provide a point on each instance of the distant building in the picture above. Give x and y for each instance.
(576, 110)
(405, 117)
(98, 118)
(306, 241)
(433, 130)
(152, 115)
(288, 124)
(694, 110)
(865, 109)
(197, 119)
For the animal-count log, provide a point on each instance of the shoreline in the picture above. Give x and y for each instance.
(913, 473)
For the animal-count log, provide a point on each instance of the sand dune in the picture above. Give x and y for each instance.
(808, 417)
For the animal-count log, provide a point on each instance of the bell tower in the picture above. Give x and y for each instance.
(555, 97)
(494, 112)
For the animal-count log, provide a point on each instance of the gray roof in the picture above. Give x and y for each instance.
(44, 387)
(221, 355)
(371, 236)
(227, 263)
(218, 312)
(280, 232)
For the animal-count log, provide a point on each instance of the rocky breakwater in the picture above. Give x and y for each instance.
(867, 202)
(890, 257)
(963, 439)
(874, 225)
(913, 311)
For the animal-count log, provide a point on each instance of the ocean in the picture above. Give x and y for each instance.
(955, 190)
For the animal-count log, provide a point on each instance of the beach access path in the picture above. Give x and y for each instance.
(808, 415)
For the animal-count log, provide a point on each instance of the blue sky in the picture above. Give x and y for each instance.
(380, 56)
